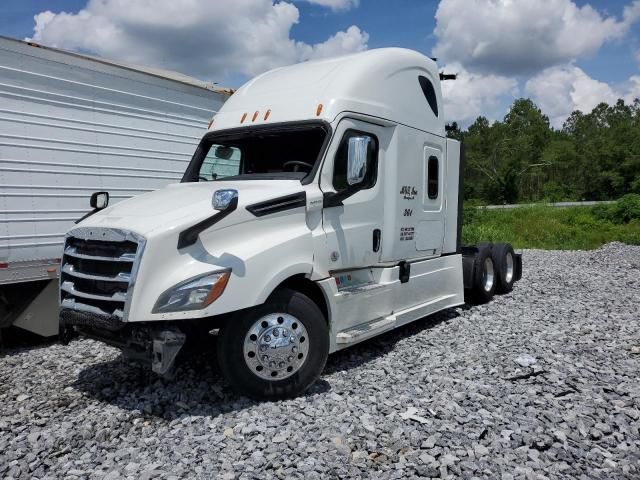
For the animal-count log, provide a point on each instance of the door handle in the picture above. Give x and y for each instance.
(376, 239)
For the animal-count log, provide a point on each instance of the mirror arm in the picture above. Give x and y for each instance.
(87, 215)
(335, 199)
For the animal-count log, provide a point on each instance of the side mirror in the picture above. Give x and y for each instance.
(99, 200)
(225, 199)
(357, 159)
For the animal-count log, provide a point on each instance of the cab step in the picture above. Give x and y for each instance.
(366, 330)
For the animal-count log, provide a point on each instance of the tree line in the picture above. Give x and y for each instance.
(594, 156)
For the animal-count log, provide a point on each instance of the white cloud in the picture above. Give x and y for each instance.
(474, 94)
(352, 40)
(210, 40)
(336, 4)
(559, 91)
(632, 89)
(512, 37)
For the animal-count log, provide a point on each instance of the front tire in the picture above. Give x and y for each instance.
(275, 350)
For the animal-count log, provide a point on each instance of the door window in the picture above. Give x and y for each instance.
(340, 163)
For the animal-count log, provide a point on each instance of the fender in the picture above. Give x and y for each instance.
(288, 272)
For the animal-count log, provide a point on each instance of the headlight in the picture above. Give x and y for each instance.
(193, 294)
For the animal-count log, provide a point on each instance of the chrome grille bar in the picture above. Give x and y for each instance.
(99, 268)
(70, 288)
(83, 307)
(120, 277)
(126, 257)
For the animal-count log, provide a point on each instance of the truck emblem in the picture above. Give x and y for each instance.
(335, 256)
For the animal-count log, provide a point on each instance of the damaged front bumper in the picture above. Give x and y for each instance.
(156, 343)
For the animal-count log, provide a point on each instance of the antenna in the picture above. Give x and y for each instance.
(448, 76)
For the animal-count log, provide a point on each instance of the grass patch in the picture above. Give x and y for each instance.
(573, 228)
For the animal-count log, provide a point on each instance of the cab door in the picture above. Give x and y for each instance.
(353, 211)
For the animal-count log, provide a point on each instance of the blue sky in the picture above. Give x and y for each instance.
(562, 64)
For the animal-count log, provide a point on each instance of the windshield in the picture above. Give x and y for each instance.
(263, 152)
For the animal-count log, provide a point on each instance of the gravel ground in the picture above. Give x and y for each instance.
(540, 383)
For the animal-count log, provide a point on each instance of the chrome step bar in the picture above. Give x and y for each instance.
(121, 277)
(366, 330)
(70, 288)
(126, 257)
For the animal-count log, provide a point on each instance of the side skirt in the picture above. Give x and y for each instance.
(377, 300)
(378, 326)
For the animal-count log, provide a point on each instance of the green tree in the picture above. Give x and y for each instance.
(595, 156)
(505, 151)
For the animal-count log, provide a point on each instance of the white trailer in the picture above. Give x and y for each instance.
(342, 220)
(72, 124)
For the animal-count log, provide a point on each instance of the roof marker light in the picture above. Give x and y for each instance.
(255, 115)
(319, 110)
(267, 113)
(244, 117)
(210, 123)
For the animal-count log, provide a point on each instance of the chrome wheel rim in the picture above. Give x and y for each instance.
(488, 274)
(276, 346)
(509, 273)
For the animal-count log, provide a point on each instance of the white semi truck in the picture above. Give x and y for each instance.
(69, 125)
(341, 221)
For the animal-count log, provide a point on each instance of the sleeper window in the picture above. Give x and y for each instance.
(429, 93)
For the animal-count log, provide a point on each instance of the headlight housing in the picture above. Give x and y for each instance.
(193, 294)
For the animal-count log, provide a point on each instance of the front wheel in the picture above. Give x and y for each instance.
(275, 350)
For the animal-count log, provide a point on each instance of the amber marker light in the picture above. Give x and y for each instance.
(267, 113)
(255, 115)
(244, 117)
(210, 123)
(217, 289)
(319, 110)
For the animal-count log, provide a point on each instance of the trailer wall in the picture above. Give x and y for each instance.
(71, 125)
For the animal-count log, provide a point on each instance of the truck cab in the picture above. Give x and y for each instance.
(321, 208)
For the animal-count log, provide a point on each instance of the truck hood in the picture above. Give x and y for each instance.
(181, 205)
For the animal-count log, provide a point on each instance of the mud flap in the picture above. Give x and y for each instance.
(166, 346)
(518, 273)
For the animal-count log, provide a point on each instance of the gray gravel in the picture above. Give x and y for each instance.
(541, 383)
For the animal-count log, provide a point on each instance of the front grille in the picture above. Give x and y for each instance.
(98, 271)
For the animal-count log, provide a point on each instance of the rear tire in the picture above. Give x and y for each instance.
(484, 276)
(504, 259)
(276, 350)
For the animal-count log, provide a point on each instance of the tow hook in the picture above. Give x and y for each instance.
(166, 346)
